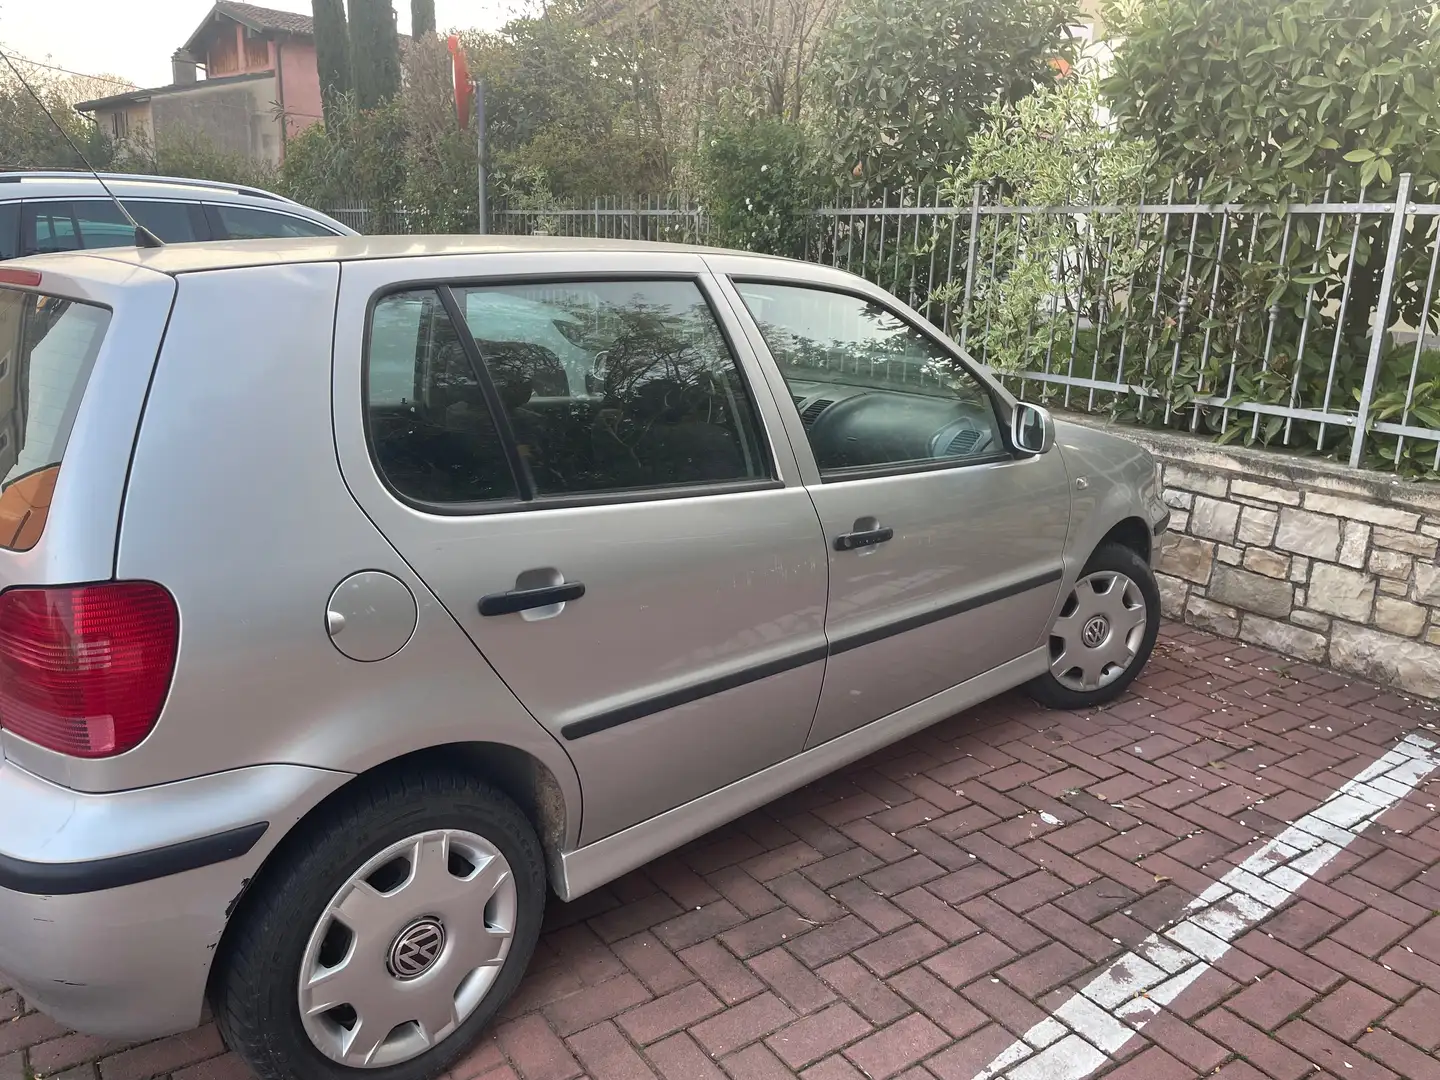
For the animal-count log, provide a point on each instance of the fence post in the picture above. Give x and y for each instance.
(1382, 316)
(482, 211)
(970, 265)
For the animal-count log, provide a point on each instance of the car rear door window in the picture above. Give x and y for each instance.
(73, 224)
(431, 430)
(616, 385)
(873, 391)
(600, 386)
(249, 223)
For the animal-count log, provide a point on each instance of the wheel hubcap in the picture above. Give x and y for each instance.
(1099, 631)
(1095, 630)
(407, 948)
(417, 948)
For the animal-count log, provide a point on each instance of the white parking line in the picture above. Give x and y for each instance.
(1117, 1003)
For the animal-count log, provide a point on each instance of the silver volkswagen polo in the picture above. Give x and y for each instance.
(359, 591)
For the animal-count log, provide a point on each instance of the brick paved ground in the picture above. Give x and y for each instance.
(914, 915)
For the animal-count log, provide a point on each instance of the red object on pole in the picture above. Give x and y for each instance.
(464, 89)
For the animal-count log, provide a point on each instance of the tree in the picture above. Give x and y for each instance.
(374, 52)
(439, 158)
(1049, 148)
(911, 79)
(190, 152)
(1273, 96)
(332, 55)
(29, 138)
(746, 57)
(761, 182)
(422, 18)
(574, 105)
(1265, 101)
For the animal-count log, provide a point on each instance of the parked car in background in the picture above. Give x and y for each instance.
(65, 211)
(356, 591)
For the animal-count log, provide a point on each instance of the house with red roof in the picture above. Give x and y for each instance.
(260, 85)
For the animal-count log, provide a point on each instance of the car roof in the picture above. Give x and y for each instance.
(234, 254)
(51, 184)
(50, 181)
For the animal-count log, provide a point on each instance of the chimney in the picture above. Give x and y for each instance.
(182, 68)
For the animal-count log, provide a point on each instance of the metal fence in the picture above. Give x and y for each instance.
(672, 218)
(1311, 327)
(1300, 326)
(376, 222)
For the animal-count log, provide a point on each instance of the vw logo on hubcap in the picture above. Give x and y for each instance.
(1095, 631)
(417, 948)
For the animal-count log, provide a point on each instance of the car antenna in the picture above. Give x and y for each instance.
(143, 237)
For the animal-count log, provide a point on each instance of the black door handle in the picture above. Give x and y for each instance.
(508, 603)
(863, 538)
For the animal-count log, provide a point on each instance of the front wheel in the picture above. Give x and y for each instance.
(1104, 632)
(387, 936)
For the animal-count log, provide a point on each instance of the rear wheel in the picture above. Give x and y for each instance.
(388, 938)
(1104, 633)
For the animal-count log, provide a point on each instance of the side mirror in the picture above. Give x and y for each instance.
(1032, 429)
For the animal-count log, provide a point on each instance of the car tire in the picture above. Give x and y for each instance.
(1104, 633)
(380, 904)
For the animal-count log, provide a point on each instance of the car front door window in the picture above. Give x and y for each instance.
(873, 391)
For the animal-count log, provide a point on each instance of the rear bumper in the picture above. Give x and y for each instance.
(112, 905)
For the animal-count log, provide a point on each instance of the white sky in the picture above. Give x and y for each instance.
(134, 41)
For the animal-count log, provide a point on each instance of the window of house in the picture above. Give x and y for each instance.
(872, 389)
(602, 386)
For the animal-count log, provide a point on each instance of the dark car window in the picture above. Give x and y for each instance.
(873, 391)
(433, 434)
(72, 224)
(9, 230)
(248, 223)
(646, 396)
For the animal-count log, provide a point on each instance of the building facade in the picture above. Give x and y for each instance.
(261, 86)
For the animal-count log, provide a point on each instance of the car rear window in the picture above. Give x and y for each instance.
(47, 347)
(248, 223)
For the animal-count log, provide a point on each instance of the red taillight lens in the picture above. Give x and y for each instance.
(85, 670)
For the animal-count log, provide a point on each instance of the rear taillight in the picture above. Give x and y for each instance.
(84, 670)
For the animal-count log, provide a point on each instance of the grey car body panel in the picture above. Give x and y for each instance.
(974, 564)
(251, 496)
(594, 865)
(140, 967)
(233, 479)
(1119, 483)
(979, 545)
(679, 591)
(79, 542)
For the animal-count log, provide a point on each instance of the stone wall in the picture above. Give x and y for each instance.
(1311, 559)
